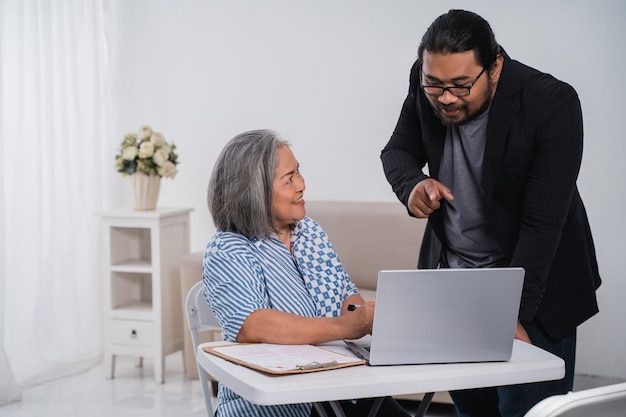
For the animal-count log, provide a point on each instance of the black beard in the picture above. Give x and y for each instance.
(483, 108)
(447, 122)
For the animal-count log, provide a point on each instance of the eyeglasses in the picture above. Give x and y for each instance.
(456, 91)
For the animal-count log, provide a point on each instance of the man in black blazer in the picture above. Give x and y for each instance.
(503, 145)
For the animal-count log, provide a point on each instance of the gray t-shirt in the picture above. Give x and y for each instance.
(469, 238)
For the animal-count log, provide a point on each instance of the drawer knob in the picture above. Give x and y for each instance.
(133, 334)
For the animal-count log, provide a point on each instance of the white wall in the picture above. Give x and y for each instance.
(331, 76)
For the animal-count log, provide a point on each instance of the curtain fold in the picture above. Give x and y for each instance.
(53, 69)
(9, 390)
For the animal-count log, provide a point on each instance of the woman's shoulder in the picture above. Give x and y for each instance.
(228, 242)
(308, 225)
(310, 229)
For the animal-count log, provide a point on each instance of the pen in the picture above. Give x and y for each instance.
(352, 307)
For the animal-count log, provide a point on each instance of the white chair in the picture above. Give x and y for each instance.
(200, 318)
(607, 401)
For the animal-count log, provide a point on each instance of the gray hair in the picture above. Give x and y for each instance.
(241, 188)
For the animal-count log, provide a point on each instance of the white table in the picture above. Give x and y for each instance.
(528, 364)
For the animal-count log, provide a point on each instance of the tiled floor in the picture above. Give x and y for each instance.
(133, 393)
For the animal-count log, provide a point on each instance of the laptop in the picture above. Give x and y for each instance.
(443, 316)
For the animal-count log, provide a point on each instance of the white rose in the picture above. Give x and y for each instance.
(161, 156)
(129, 153)
(168, 170)
(145, 131)
(146, 149)
(157, 139)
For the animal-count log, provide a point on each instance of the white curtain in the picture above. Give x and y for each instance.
(9, 390)
(53, 67)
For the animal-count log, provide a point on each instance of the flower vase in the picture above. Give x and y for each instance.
(145, 190)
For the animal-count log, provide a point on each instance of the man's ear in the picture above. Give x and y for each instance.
(496, 69)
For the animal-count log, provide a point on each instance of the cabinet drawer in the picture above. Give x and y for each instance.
(132, 332)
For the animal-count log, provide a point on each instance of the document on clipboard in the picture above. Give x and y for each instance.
(283, 359)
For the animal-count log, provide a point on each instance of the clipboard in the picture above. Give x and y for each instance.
(283, 359)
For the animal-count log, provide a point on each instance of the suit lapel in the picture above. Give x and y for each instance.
(501, 113)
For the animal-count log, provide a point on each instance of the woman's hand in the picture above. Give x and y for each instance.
(360, 321)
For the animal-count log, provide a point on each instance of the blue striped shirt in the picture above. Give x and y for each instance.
(243, 275)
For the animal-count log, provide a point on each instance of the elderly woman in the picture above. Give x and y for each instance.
(270, 273)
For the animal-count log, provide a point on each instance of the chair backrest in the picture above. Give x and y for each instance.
(607, 401)
(199, 315)
(200, 318)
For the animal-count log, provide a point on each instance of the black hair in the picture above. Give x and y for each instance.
(461, 31)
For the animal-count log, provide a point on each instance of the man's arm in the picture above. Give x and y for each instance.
(403, 157)
(550, 187)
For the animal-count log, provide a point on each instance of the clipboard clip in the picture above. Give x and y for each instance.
(316, 365)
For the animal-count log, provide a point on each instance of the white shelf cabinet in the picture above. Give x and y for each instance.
(142, 300)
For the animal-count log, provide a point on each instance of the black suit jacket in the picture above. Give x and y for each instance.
(531, 162)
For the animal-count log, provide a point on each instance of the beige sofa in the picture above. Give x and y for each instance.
(368, 237)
